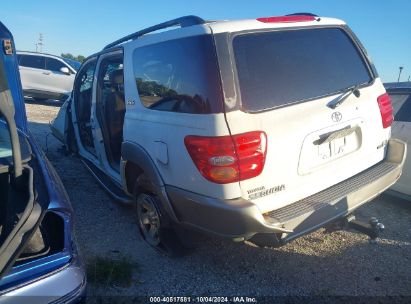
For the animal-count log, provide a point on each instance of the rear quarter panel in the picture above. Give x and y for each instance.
(162, 133)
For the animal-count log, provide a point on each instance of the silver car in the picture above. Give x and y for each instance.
(45, 76)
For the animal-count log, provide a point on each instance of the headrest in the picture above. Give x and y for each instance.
(116, 77)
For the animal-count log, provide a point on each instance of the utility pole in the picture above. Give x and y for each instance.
(409, 78)
(40, 44)
(399, 74)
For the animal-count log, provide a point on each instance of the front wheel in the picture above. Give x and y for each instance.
(152, 228)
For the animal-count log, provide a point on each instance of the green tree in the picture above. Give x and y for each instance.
(79, 58)
(67, 55)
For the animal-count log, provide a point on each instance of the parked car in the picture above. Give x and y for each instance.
(45, 76)
(39, 262)
(260, 130)
(400, 94)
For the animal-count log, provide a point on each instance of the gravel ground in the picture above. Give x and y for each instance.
(341, 263)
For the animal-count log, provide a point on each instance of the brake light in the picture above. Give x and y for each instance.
(285, 19)
(228, 159)
(384, 102)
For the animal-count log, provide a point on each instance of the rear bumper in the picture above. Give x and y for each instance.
(241, 219)
(65, 285)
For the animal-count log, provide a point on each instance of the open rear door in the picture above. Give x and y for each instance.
(20, 214)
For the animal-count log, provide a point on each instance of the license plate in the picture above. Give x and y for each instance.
(331, 149)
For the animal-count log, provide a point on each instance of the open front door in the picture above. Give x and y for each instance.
(74, 123)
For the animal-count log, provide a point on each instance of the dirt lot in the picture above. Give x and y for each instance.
(341, 263)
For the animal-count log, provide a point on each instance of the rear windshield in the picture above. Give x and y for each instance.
(179, 76)
(283, 67)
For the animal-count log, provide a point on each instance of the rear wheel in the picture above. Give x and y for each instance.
(148, 219)
(153, 229)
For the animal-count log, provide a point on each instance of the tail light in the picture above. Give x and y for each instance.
(384, 102)
(228, 159)
(286, 19)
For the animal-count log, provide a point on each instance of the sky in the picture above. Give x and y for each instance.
(83, 27)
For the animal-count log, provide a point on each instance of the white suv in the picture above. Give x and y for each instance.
(45, 76)
(260, 130)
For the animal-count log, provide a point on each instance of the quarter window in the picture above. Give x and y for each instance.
(179, 76)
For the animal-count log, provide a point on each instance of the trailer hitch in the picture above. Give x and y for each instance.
(373, 228)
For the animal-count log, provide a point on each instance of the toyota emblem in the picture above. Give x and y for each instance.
(336, 117)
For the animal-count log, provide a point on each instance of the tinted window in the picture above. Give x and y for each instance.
(32, 61)
(283, 67)
(402, 107)
(179, 75)
(54, 64)
(107, 79)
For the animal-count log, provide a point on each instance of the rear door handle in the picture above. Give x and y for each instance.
(46, 73)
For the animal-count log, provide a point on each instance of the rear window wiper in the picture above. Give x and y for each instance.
(340, 99)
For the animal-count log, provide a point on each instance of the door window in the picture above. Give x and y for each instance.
(54, 64)
(110, 105)
(82, 99)
(32, 61)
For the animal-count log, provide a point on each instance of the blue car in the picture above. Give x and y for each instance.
(39, 262)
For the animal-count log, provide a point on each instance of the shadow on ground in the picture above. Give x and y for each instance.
(341, 263)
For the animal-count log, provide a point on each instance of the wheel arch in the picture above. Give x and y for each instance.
(136, 162)
(138, 171)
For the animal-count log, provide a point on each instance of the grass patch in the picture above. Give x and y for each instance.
(109, 272)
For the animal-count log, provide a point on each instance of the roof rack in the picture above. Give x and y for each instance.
(182, 22)
(303, 14)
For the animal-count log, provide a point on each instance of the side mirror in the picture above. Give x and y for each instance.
(65, 70)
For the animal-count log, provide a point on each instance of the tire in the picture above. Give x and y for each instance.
(151, 223)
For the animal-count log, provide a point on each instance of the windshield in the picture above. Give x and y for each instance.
(74, 64)
(284, 67)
